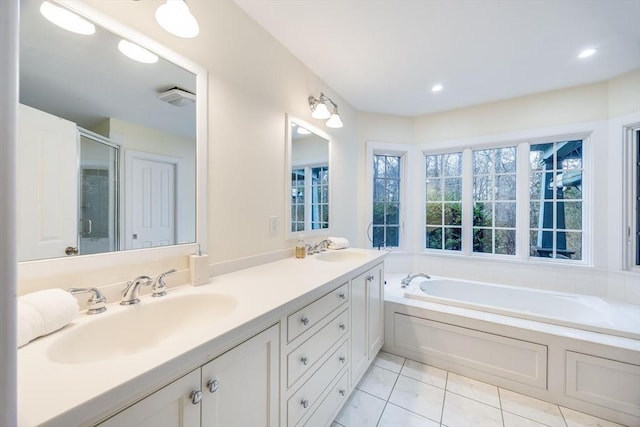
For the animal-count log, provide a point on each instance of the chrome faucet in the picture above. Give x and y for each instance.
(405, 282)
(318, 247)
(96, 304)
(130, 292)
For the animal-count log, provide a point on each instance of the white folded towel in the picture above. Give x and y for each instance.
(43, 312)
(338, 243)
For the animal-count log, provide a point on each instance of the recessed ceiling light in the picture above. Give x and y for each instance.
(437, 88)
(136, 52)
(586, 53)
(66, 19)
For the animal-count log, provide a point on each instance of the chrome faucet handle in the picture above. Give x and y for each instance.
(160, 287)
(97, 303)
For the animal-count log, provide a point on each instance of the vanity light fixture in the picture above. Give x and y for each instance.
(320, 110)
(175, 17)
(66, 19)
(137, 53)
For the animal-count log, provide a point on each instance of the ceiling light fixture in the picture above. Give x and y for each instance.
(437, 88)
(587, 53)
(66, 19)
(320, 110)
(137, 53)
(175, 17)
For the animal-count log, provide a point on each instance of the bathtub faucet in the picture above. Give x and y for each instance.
(405, 282)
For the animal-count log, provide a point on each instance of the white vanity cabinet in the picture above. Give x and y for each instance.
(367, 320)
(237, 389)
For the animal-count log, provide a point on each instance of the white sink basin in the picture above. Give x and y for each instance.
(340, 256)
(136, 328)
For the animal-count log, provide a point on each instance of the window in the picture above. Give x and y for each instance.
(311, 211)
(386, 200)
(555, 192)
(494, 201)
(444, 201)
(319, 197)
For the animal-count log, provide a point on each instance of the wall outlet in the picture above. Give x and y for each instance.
(274, 224)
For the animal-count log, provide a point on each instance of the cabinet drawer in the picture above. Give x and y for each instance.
(306, 397)
(327, 409)
(308, 316)
(307, 355)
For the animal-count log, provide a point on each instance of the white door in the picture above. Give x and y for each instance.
(171, 406)
(245, 392)
(150, 200)
(47, 221)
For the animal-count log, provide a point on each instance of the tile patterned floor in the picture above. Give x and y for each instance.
(398, 392)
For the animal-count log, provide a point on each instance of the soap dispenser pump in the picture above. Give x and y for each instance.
(301, 249)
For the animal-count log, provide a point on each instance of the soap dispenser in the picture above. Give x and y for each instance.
(301, 249)
(199, 268)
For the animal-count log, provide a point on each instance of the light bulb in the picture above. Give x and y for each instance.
(66, 19)
(137, 53)
(320, 111)
(175, 17)
(334, 121)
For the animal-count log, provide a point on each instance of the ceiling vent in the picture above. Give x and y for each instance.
(178, 97)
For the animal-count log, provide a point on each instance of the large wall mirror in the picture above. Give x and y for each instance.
(108, 146)
(308, 180)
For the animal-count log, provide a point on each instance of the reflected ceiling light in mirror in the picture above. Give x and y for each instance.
(320, 110)
(137, 53)
(302, 131)
(587, 53)
(175, 17)
(66, 19)
(437, 88)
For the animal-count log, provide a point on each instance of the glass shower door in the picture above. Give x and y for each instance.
(99, 195)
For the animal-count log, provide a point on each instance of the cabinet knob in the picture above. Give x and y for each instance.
(304, 360)
(212, 385)
(342, 326)
(369, 278)
(342, 295)
(304, 320)
(304, 403)
(342, 359)
(342, 392)
(196, 396)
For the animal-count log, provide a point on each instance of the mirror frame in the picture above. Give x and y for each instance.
(290, 235)
(28, 269)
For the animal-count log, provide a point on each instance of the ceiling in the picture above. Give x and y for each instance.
(86, 79)
(385, 55)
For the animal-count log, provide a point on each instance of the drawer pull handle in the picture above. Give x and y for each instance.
(196, 396)
(342, 359)
(342, 295)
(304, 403)
(342, 326)
(212, 385)
(369, 278)
(305, 320)
(342, 392)
(304, 360)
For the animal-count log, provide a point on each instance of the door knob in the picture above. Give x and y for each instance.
(70, 250)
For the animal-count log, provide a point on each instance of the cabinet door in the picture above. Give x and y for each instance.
(375, 284)
(171, 406)
(359, 335)
(241, 386)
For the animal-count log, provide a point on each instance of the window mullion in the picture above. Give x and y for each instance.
(523, 172)
(467, 201)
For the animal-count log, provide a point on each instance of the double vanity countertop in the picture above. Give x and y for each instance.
(102, 363)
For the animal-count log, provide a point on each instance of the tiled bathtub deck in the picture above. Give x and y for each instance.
(399, 392)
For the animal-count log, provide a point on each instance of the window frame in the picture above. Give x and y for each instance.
(374, 148)
(631, 194)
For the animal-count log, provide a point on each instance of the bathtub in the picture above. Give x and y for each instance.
(580, 352)
(576, 311)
